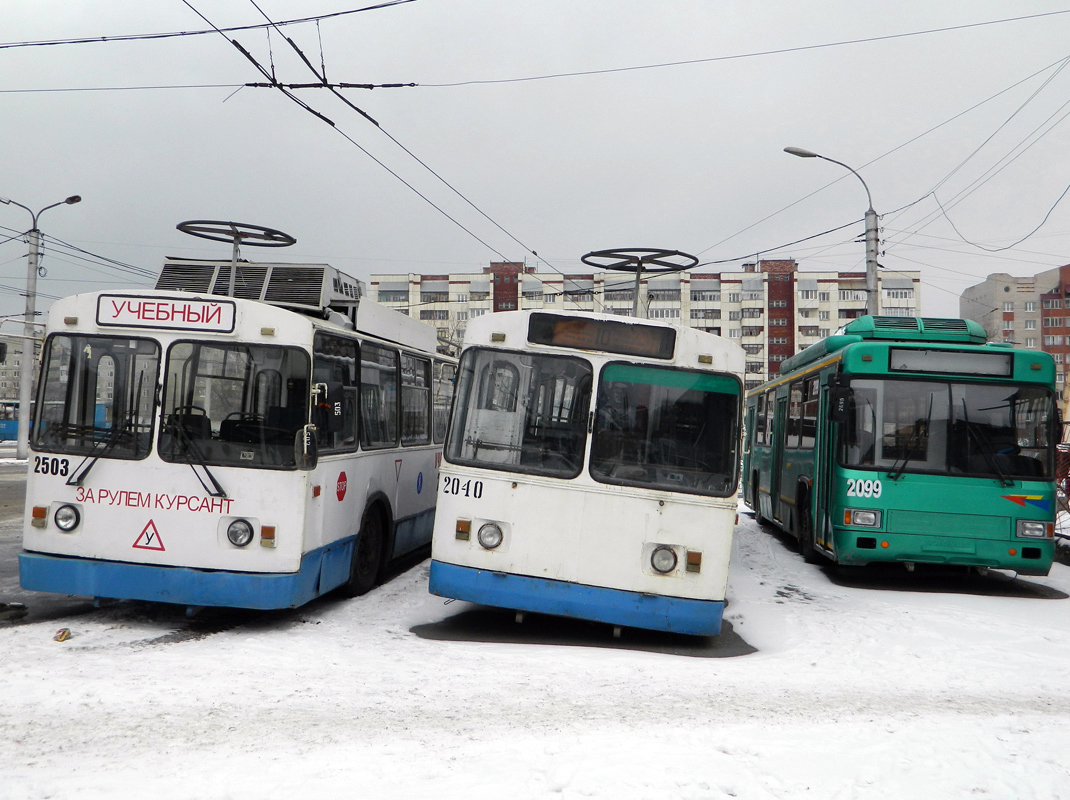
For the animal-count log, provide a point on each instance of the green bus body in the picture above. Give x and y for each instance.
(908, 440)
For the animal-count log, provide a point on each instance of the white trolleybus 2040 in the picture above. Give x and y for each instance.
(590, 471)
(209, 450)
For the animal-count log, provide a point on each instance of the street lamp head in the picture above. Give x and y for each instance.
(74, 198)
(798, 151)
(5, 201)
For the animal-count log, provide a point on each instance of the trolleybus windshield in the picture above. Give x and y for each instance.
(520, 413)
(668, 429)
(233, 404)
(982, 429)
(97, 396)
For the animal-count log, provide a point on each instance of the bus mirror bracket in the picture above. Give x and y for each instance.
(306, 448)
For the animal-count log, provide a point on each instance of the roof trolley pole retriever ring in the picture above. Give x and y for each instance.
(651, 260)
(236, 233)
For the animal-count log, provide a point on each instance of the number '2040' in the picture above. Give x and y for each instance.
(468, 488)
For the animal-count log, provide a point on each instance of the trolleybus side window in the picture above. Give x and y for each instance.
(759, 421)
(808, 434)
(443, 388)
(665, 428)
(98, 392)
(335, 365)
(521, 413)
(770, 416)
(415, 400)
(795, 400)
(233, 404)
(378, 396)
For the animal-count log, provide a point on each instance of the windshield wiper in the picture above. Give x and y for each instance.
(897, 468)
(985, 448)
(190, 449)
(104, 446)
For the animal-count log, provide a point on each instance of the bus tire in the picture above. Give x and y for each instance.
(367, 555)
(757, 501)
(804, 529)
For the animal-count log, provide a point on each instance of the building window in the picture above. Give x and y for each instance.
(1030, 324)
(1030, 305)
(733, 333)
(664, 294)
(824, 297)
(1053, 302)
(733, 315)
(754, 366)
(808, 330)
(1058, 357)
(778, 340)
(476, 312)
(705, 313)
(822, 315)
(778, 322)
(733, 297)
(752, 349)
(1008, 324)
(1053, 341)
(823, 332)
(809, 294)
(776, 357)
(752, 313)
(393, 297)
(426, 314)
(750, 331)
(434, 297)
(778, 303)
(852, 295)
(704, 297)
(1053, 322)
(664, 313)
(459, 298)
(1007, 307)
(1030, 342)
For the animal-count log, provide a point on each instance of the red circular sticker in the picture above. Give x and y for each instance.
(341, 488)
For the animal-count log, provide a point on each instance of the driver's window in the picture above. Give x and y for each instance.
(334, 364)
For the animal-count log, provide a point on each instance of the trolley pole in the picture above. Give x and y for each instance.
(27, 355)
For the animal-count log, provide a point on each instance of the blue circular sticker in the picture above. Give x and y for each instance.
(419, 483)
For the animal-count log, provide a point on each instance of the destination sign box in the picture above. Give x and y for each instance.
(216, 316)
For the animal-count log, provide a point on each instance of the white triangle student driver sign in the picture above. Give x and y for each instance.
(149, 538)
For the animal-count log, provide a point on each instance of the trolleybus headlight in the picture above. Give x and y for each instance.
(663, 559)
(490, 536)
(240, 533)
(863, 517)
(67, 518)
(1031, 529)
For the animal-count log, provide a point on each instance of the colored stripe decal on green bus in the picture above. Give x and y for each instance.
(673, 379)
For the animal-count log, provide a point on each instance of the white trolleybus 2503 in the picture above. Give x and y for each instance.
(253, 451)
(590, 471)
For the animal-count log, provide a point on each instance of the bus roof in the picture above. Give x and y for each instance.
(923, 330)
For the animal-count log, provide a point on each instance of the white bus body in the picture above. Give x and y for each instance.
(165, 460)
(590, 470)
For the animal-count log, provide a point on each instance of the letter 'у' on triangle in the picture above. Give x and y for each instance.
(149, 538)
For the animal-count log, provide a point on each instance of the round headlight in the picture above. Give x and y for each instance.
(240, 533)
(67, 518)
(490, 536)
(663, 559)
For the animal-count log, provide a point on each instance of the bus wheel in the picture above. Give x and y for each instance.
(804, 529)
(757, 502)
(367, 553)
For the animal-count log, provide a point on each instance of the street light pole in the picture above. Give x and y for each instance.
(872, 238)
(26, 358)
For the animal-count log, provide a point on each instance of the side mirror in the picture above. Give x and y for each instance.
(840, 403)
(306, 448)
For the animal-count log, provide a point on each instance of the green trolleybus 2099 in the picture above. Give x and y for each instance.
(908, 440)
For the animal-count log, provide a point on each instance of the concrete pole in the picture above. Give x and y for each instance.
(872, 291)
(27, 357)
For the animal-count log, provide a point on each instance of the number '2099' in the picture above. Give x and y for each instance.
(856, 487)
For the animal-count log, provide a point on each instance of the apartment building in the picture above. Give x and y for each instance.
(769, 307)
(1029, 312)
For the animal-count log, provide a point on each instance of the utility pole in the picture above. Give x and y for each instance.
(27, 357)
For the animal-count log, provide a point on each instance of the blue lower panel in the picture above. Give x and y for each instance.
(321, 571)
(613, 606)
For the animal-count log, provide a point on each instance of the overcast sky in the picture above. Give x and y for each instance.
(684, 156)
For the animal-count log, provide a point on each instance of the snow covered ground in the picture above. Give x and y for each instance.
(869, 684)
